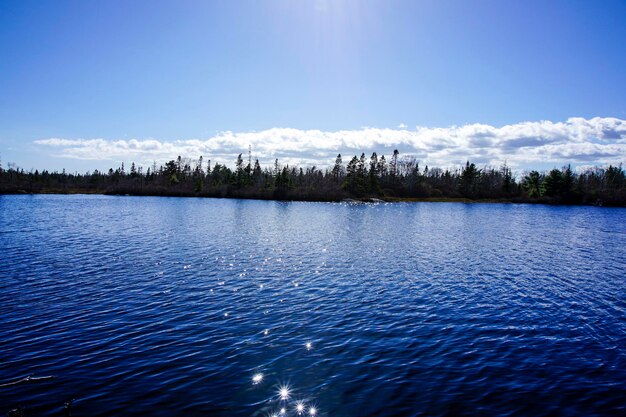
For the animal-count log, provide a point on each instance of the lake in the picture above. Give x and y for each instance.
(180, 306)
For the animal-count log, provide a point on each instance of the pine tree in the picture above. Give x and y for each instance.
(338, 170)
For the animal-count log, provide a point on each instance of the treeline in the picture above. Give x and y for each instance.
(359, 178)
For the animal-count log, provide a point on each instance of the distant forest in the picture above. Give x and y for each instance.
(361, 178)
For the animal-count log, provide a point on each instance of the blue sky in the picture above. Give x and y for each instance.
(181, 76)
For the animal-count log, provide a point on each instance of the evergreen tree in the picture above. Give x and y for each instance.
(338, 170)
(239, 173)
(374, 174)
(533, 184)
(394, 166)
(382, 169)
(350, 182)
(199, 171)
(553, 183)
(257, 173)
(467, 184)
(614, 177)
(361, 175)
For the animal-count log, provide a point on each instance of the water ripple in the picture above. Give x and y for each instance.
(154, 306)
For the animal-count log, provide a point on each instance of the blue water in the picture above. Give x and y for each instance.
(176, 306)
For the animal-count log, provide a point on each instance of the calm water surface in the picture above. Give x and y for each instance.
(173, 306)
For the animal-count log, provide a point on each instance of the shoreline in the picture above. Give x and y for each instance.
(355, 200)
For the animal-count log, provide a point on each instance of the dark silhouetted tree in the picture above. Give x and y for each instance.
(467, 182)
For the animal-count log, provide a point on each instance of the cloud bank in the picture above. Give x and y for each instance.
(578, 141)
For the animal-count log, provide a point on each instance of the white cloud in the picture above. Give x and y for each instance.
(522, 145)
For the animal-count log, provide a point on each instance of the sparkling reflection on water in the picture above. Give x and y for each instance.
(166, 306)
